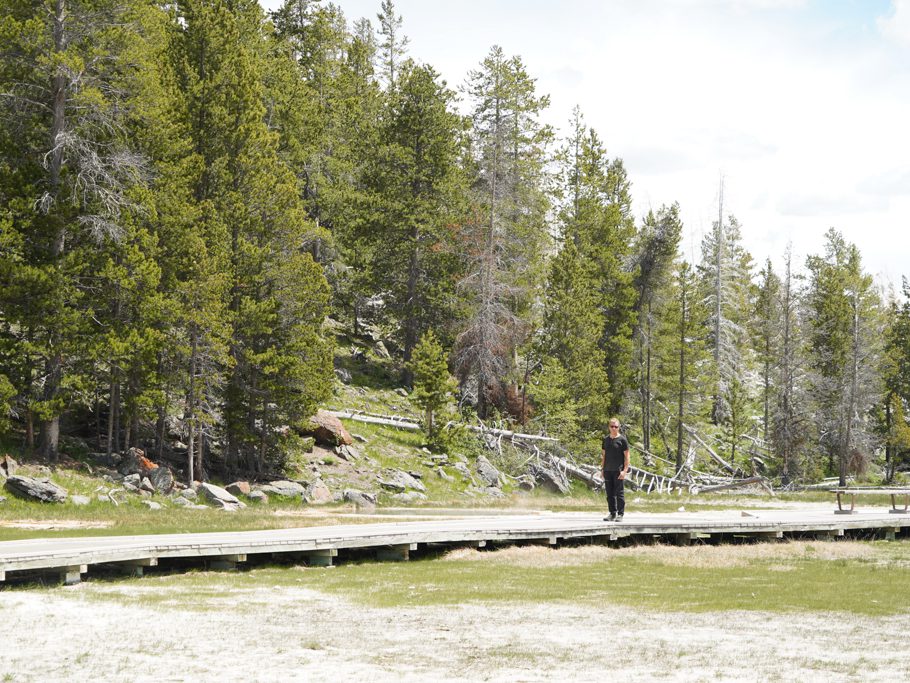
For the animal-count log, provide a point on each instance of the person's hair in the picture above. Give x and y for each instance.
(612, 420)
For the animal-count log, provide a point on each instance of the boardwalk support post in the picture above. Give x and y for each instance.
(395, 553)
(768, 534)
(72, 575)
(227, 562)
(320, 558)
(135, 567)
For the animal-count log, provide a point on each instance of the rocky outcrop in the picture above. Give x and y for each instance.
(219, 497)
(488, 474)
(239, 488)
(360, 499)
(318, 493)
(550, 479)
(162, 479)
(409, 497)
(283, 487)
(400, 481)
(463, 470)
(259, 497)
(8, 466)
(327, 429)
(36, 489)
(189, 494)
(135, 462)
(348, 453)
(526, 482)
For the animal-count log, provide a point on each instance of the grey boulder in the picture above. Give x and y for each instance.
(219, 497)
(36, 489)
(489, 475)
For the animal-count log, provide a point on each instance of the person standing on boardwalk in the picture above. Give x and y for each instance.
(614, 463)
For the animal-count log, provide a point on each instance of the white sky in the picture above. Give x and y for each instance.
(802, 105)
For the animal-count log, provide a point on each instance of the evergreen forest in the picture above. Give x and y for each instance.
(194, 196)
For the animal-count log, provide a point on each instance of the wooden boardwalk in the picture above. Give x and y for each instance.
(68, 559)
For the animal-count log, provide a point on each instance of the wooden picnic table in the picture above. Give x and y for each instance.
(855, 491)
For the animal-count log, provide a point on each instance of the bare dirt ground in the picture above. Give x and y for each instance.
(101, 632)
(54, 524)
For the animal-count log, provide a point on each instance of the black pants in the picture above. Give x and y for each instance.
(616, 497)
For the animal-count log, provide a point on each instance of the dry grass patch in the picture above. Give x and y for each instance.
(55, 524)
(695, 556)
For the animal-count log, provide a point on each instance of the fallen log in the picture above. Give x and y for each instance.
(735, 484)
(723, 463)
(407, 423)
(575, 471)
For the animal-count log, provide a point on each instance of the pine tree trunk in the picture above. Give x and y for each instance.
(767, 392)
(681, 394)
(787, 384)
(646, 393)
(49, 430)
(200, 458)
(133, 439)
(263, 436)
(113, 403)
(410, 321)
(189, 412)
(854, 390)
(29, 431)
(889, 448)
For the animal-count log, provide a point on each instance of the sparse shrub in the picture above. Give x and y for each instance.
(295, 449)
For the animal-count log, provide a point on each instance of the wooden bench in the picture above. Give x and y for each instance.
(854, 492)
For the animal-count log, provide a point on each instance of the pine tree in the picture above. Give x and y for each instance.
(433, 386)
(73, 171)
(570, 341)
(393, 45)
(419, 191)
(655, 253)
(328, 117)
(891, 413)
(844, 333)
(588, 309)
(789, 419)
(766, 328)
(725, 272)
(598, 216)
(507, 237)
(7, 394)
(680, 358)
(280, 361)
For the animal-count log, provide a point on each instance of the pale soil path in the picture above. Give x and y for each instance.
(90, 633)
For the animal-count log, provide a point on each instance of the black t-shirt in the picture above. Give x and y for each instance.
(614, 453)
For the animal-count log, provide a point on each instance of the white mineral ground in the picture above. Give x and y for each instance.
(102, 631)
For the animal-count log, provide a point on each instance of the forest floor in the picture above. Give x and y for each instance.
(534, 614)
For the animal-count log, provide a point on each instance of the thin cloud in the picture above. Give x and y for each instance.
(895, 182)
(806, 205)
(896, 25)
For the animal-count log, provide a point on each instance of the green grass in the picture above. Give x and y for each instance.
(783, 578)
(133, 517)
(809, 585)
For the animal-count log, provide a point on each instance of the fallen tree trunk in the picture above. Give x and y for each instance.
(575, 471)
(723, 463)
(401, 423)
(735, 484)
(408, 423)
